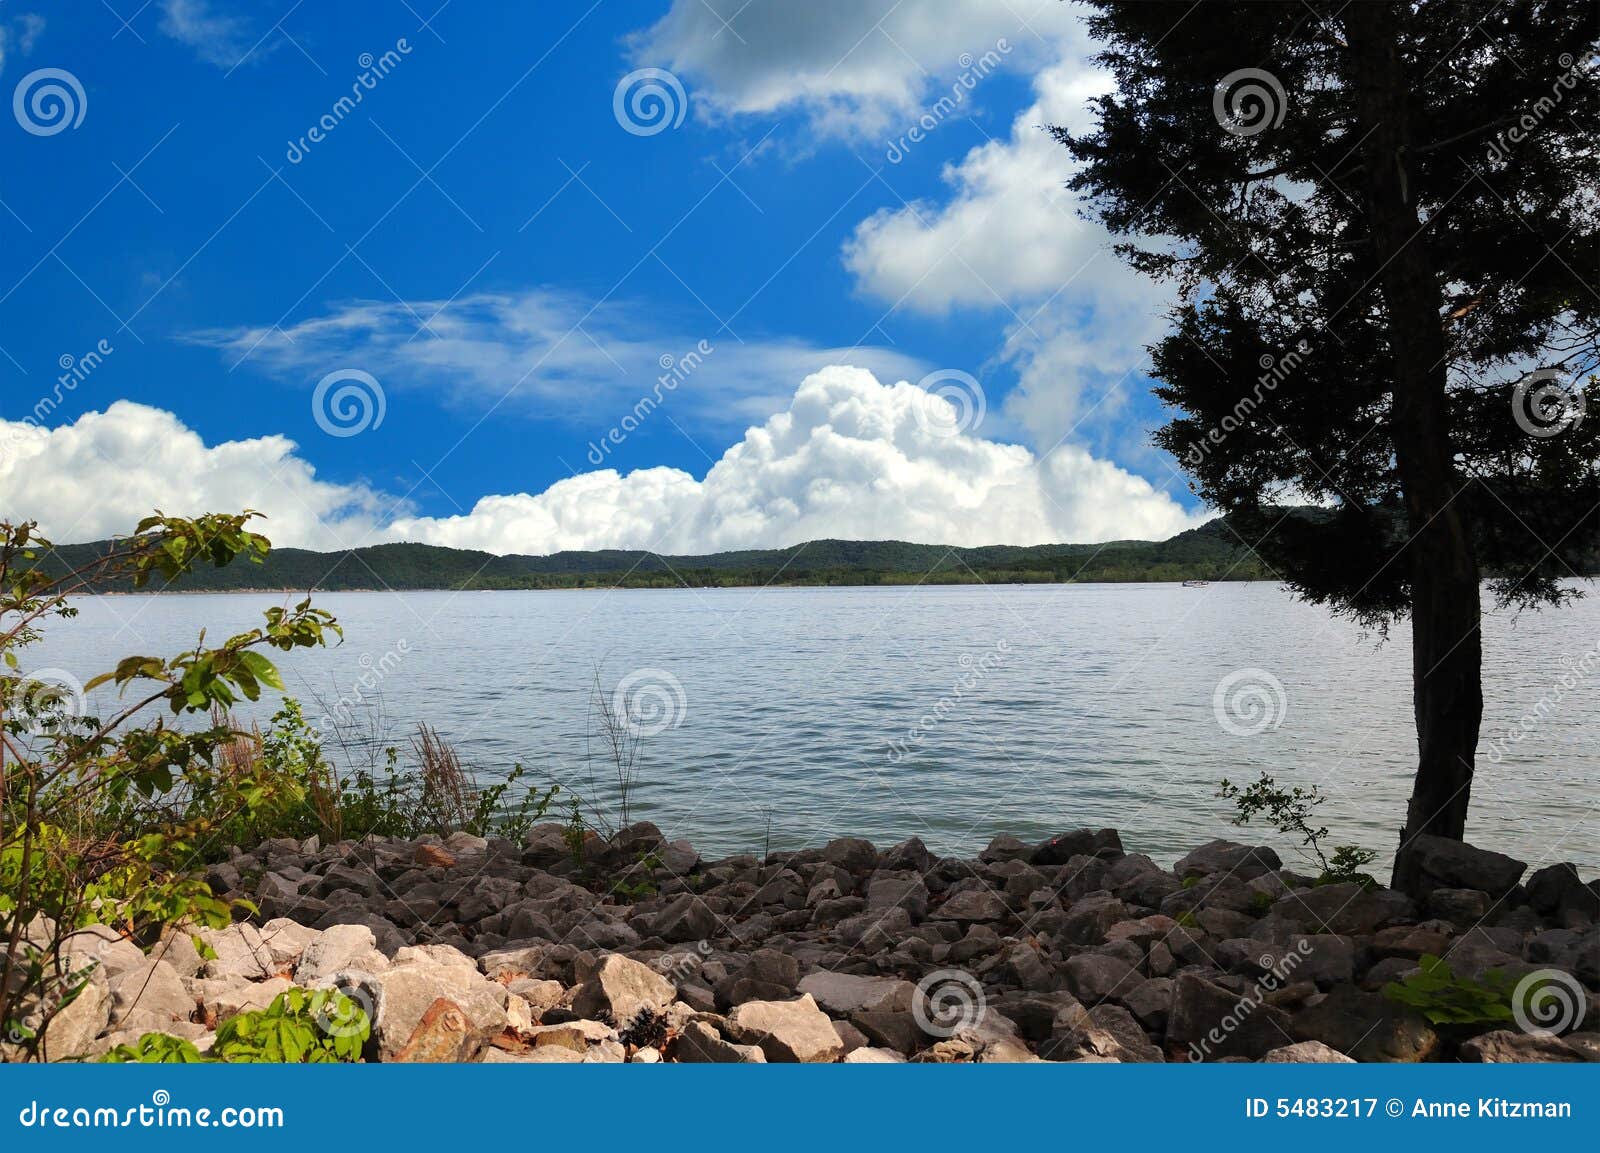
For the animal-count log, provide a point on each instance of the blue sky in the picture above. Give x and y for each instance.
(508, 264)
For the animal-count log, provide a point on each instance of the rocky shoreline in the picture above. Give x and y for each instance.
(633, 948)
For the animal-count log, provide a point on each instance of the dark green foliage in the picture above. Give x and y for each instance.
(1445, 999)
(300, 1027)
(1290, 812)
(1276, 258)
(1212, 552)
(647, 1029)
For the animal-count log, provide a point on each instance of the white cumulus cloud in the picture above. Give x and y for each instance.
(853, 67)
(850, 458)
(1011, 237)
(98, 476)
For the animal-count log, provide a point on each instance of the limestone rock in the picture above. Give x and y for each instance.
(148, 998)
(787, 1030)
(1506, 1046)
(1307, 1053)
(699, 1043)
(844, 993)
(342, 948)
(622, 987)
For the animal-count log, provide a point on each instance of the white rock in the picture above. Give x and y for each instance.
(870, 1056)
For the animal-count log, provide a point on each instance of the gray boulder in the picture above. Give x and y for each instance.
(1096, 977)
(1242, 862)
(1104, 844)
(1208, 1022)
(845, 993)
(1439, 863)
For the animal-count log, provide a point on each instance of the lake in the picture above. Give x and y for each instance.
(783, 717)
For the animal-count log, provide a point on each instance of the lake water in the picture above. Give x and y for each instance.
(785, 717)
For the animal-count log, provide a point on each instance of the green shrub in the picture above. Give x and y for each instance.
(155, 1049)
(1290, 812)
(87, 833)
(300, 1027)
(1445, 999)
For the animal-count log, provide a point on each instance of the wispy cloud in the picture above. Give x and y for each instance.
(544, 352)
(219, 38)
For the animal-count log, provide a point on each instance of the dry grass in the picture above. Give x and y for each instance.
(448, 796)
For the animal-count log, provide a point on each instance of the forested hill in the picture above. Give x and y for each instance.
(1210, 552)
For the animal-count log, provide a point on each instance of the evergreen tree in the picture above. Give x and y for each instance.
(1381, 220)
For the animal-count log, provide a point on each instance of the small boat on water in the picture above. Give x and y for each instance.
(1195, 584)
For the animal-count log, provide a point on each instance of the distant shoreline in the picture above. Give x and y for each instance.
(895, 584)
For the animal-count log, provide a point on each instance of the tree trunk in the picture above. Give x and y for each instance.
(1446, 647)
